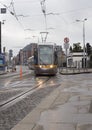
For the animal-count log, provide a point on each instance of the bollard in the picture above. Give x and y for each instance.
(20, 72)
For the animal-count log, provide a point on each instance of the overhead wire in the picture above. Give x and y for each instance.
(43, 7)
(12, 11)
(8, 8)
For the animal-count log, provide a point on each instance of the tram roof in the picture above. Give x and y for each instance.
(47, 43)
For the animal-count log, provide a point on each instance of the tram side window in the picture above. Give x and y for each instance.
(35, 57)
(55, 57)
(1, 61)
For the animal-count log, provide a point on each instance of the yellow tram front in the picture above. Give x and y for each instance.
(45, 60)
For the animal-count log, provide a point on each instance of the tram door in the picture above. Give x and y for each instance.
(36, 56)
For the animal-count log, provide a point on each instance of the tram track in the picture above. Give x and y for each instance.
(13, 100)
(20, 97)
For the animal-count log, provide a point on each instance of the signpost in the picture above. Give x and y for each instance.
(66, 47)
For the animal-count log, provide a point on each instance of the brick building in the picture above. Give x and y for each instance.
(25, 53)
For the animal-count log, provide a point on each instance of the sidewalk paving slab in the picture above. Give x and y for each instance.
(71, 71)
(29, 122)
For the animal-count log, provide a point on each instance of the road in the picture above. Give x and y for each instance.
(18, 96)
(74, 102)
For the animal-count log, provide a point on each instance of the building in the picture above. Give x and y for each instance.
(25, 53)
(75, 59)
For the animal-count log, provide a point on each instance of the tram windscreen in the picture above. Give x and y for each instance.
(45, 54)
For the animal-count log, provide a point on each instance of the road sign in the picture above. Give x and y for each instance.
(66, 40)
(66, 46)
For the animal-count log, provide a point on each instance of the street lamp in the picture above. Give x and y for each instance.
(1, 22)
(84, 65)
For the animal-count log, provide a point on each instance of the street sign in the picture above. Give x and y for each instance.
(66, 40)
(3, 10)
(66, 46)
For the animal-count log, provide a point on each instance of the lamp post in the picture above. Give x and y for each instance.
(83, 21)
(1, 22)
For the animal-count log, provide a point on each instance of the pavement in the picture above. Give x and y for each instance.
(55, 113)
(22, 68)
(71, 71)
(3, 72)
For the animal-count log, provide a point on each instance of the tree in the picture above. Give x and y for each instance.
(71, 49)
(77, 47)
(88, 49)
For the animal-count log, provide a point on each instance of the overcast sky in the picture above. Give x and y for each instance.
(61, 18)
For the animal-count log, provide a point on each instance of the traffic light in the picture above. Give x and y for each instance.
(88, 46)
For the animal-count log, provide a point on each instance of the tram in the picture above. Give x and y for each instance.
(30, 62)
(45, 59)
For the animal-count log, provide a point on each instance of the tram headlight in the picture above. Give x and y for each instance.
(40, 66)
(51, 66)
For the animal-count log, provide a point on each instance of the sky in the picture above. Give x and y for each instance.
(27, 21)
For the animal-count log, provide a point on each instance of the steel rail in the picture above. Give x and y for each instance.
(14, 99)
